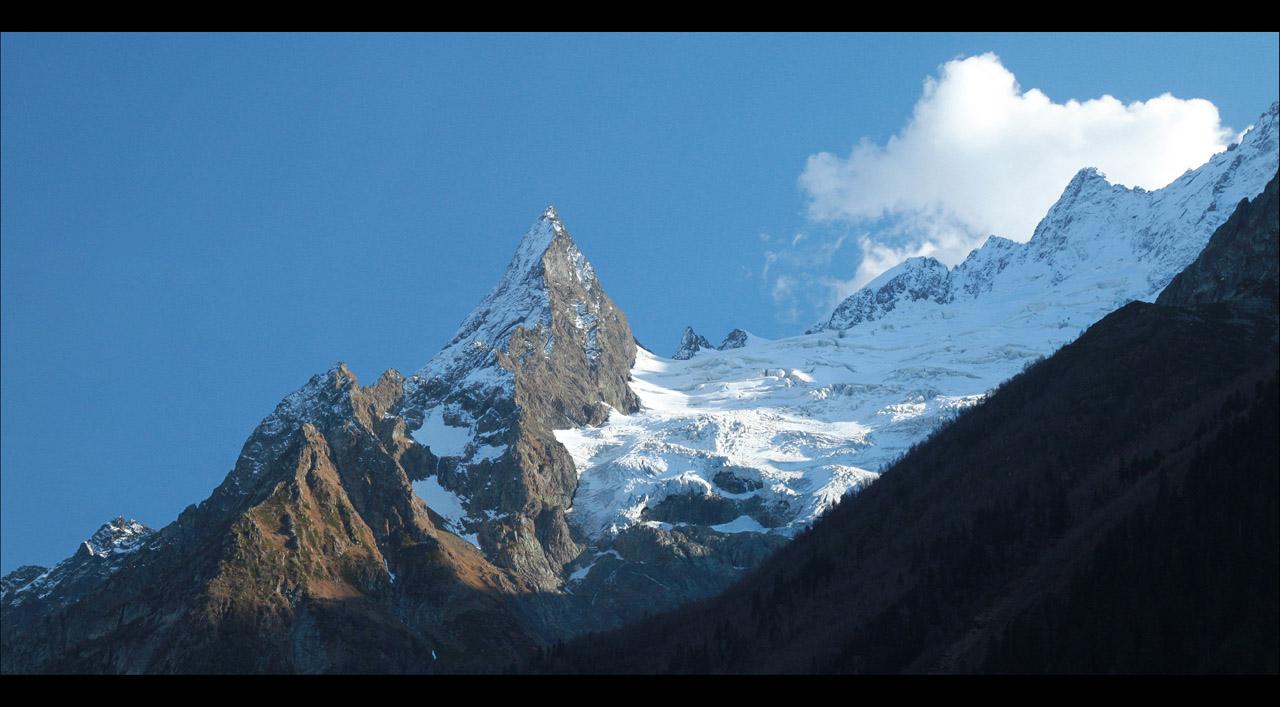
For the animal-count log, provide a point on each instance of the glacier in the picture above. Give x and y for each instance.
(788, 427)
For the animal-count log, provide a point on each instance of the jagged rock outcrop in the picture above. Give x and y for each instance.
(735, 339)
(1241, 261)
(690, 344)
(20, 578)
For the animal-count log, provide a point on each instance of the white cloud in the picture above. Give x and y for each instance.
(876, 258)
(782, 288)
(980, 156)
(799, 283)
(929, 234)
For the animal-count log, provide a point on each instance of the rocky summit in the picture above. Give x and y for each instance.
(28, 593)
(690, 344)
(545, 349)
(735, 339)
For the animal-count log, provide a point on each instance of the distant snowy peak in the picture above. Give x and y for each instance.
(911, 280)
(737, 339)
(96, 559)
(1119, 244)
(690, 344)
(117, 537)
(1096, 223)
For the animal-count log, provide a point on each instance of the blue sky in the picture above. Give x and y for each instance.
(192, 226)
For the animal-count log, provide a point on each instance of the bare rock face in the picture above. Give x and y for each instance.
(690, 344)
(736, 339)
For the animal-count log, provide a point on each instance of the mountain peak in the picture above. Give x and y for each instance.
(521, 297)
(916, 263)
(1087, 181)
(1088, 174)
(736, 339)
(915, 278)
(1145, 237)
(690, 344)
(545, 349)
(118, 536)
(321, 386)
(339, 374)
(526, 262)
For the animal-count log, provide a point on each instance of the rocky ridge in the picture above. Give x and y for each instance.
(29, 592)
(690, 344)
(314, 557)
(735, 339)
(327, 493)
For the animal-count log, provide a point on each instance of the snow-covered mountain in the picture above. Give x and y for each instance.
(31, 591)
(1100, 245)
(912, 280)
(767, 436)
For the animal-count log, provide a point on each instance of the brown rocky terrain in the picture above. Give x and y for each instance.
(315, 554)
(328, 563)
